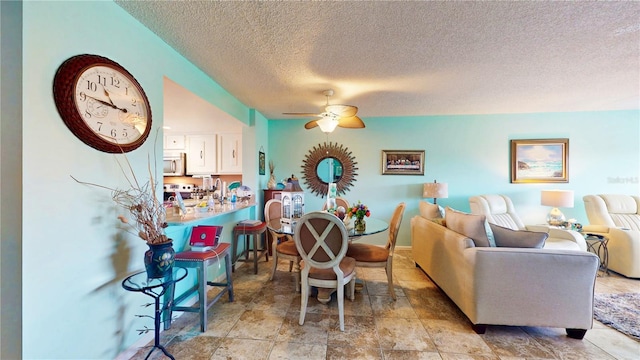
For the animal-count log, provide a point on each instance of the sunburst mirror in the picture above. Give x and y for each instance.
(327, 161)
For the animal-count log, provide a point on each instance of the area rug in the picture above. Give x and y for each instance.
(619, 311)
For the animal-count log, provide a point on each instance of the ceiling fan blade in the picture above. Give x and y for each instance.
(351, 122)
(311, 124)
(342, 110)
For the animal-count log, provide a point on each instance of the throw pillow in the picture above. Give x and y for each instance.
(506, 237)
(430, 211)
(471, 226)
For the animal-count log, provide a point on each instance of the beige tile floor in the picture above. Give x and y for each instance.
(262, 323)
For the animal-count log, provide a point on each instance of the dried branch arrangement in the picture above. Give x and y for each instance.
(147, 213)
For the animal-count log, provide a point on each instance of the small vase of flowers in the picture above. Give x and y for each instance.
(359, 211)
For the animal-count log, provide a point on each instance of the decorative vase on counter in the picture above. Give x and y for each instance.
(360, 225)
(158, 260)
(271, 184)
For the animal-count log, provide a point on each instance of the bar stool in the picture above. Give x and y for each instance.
(201, 260)
(256, 232)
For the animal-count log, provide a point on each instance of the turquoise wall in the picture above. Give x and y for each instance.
(471, 153)
(74, 253)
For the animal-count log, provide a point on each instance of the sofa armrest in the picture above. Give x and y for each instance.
(595, 229)
(534, 287)
(565, 234)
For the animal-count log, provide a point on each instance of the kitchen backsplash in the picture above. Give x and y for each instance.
(198, 181)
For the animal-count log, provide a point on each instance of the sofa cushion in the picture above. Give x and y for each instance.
(506, 237)
(430, 211)
(471, 226)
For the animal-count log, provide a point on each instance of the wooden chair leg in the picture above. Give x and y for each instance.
(275, 263)
(389, 270)
(304, 299)
(341, 305)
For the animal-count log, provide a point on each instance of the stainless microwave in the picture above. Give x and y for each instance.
(174, 164)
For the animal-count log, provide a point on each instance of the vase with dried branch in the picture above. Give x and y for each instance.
(146, 216)
(271, 184)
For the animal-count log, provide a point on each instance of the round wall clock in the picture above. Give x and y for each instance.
(102, 103)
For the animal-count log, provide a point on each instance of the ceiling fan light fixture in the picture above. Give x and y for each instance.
(327, 123)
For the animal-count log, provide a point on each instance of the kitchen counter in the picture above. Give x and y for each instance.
(219, 210)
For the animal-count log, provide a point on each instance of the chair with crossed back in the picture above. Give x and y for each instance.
(283, 246)
(339, 202)
(368, 255)
(322, 240)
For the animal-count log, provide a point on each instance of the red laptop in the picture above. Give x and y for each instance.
(205, 237)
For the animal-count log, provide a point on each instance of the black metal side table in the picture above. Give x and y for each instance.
(139, 282)
(597, 244)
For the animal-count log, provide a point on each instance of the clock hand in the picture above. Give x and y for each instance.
(106, 103)
(107, 94)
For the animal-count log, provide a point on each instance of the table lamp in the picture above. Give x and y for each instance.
(435, 190)
(556, 198)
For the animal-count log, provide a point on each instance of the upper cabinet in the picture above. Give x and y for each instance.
(229, 153)
(211, 137)
(201, 154)
(174, 142)
(214, 154)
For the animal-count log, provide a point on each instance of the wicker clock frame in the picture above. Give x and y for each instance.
(325, 151)
(64, 84)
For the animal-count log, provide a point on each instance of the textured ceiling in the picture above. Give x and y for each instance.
(410, 58)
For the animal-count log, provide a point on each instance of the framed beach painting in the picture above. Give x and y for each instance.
(402, 162)
(540, 161)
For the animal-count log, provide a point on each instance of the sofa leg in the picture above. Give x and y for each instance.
(479, 328)
(576, 333)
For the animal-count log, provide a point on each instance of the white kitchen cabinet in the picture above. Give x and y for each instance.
(201, 154)
(229, 153)
(174, 142)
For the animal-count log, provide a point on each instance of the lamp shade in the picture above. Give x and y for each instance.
(328, 123)
(557, 198)
(435, 190)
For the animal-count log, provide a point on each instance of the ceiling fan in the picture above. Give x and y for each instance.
(334, 115)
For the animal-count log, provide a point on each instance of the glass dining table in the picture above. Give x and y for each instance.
(374, 226)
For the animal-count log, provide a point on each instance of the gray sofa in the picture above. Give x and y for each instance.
(507, 285)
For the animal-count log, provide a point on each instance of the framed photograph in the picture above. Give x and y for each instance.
(402, 162)
(261, 162)
(540, 161)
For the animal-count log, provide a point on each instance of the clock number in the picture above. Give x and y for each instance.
(92, 86)
(102, 81)
(82, 96)
(87, 114)
(115, 82)
(114, 133)
(99, 123)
